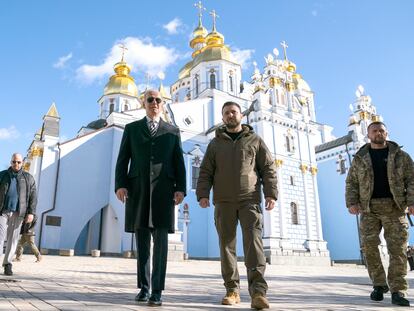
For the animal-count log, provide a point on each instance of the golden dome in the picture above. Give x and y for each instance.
(199, 35)
(214, 38)
(185, 71)
(300, 83)
(352, 120)
(121, 82)
(213, 53)
(376, 118)
(290, 66)
(200, 31)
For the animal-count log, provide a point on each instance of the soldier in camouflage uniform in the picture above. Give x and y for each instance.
(380, 187)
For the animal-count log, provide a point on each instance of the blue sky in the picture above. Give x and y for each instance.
(62, 52)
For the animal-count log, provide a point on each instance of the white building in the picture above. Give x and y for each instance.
(77, 204)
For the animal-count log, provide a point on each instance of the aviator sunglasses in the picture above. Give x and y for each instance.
(151, 99)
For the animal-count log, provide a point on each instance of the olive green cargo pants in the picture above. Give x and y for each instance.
(384, 213)
(226, 217)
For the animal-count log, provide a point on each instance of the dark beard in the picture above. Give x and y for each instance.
(232, 124)
(378, 141)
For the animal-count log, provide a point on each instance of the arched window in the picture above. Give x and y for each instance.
(283, 99)
(125, 107)
(111, 108)
(290, 145)
(231, 81)
(292, 182)
(271, 97)
(294, 212)
(196, 85)
(195, 171)
(341, 165)
(212, 80)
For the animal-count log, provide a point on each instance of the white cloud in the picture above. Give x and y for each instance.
(243, 57)
(314, 13)
(172, 26)
(62, 61)
(9, 133)
(143, 55)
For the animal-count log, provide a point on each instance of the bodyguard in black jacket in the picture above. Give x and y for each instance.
(18, 201)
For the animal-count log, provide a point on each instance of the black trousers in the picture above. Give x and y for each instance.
(159, 258)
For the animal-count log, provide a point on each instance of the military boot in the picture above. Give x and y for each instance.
(398, 299)
(231, 298)
(378, 293)
(259, 302)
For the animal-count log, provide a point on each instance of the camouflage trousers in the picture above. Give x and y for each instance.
(385, 214)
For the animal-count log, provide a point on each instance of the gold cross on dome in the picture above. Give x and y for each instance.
(214, 14)
(285, 46)
(200, 8)
(123, 47)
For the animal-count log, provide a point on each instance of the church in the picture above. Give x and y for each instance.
(77, 206)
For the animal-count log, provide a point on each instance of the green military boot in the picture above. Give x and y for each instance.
(398, 299)
(378, 293)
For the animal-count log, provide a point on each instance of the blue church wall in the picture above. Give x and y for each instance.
(86, 181)
(338, 226)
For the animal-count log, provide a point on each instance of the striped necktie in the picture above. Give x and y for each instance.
(152, 128)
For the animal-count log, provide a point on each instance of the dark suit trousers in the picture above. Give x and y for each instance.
(159, 257)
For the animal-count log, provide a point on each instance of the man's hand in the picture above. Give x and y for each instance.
(411, 210)
(122, 194)
(29, 218)
(269, 203)
(204, 202)
(178, 197)
(354, 209)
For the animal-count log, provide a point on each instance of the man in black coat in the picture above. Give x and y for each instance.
(154, 183)
(18, 201)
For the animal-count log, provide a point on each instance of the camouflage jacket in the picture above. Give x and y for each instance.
(360, 179)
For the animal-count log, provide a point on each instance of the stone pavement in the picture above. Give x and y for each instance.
(86, 283)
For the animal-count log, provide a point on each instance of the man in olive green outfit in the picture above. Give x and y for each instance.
(380, 187)
(236, 163)
(27, 232)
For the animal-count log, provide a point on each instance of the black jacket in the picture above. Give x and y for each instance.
(156, 170)
(26, 188)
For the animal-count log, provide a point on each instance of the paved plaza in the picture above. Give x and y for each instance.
(86, 283)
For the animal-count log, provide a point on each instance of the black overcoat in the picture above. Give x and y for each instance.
(152, 169)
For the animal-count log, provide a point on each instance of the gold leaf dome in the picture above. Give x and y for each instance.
(352, 120)
(290, 66)
(121, 82)
(214, 38)
(199, 38)
(213, 53)
(200, 31)
(300, 83)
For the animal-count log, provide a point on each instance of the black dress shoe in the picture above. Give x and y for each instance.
(155, 299)
(142, 296)
(398, 299)
(378, 293)
(8, 269)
